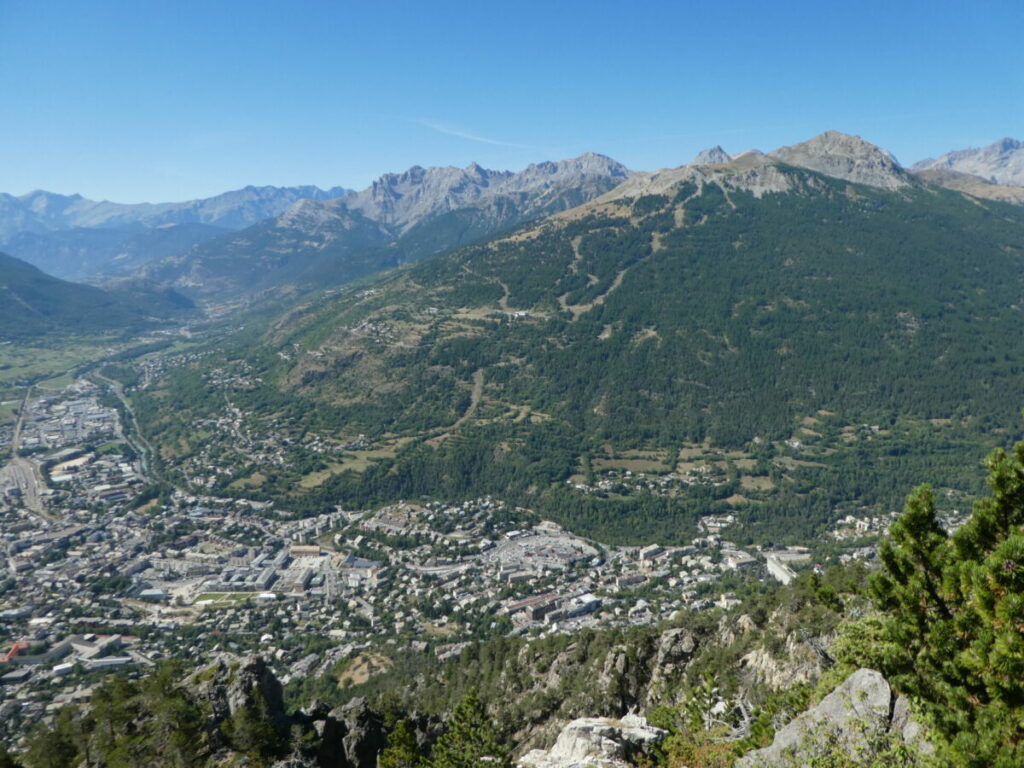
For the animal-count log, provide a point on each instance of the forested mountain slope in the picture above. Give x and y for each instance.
(33, 304)
(840, 341)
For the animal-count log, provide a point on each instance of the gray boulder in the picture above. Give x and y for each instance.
(229, 685)
(853, 718)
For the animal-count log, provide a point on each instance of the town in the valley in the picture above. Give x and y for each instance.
(101, 575)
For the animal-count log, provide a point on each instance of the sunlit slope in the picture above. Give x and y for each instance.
(705, 312)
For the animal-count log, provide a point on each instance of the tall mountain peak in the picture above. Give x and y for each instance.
(845, 156)
(711, 156)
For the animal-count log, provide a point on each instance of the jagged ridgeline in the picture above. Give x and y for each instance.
(717, 305)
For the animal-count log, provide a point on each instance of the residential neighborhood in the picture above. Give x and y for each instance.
(103, 574)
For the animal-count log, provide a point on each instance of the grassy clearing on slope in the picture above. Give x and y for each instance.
(362, 668)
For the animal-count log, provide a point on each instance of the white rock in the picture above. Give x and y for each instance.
(596, 741)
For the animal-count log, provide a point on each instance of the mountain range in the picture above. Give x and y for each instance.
(405, 217)
(42, 211)
(73, 237)
(285, 238)
(399, 218)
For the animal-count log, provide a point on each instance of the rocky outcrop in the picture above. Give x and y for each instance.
(798, 664)
(226, 687)
(854, 718)
(350, 736)
(363, 731)
(599, 742)
(675, 649)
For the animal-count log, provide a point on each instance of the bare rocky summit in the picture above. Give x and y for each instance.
(1001, 162)
(404, 199)
(834, 154)
(711, 156)
(845, 157)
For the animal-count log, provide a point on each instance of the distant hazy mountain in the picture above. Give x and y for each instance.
(310, 243)
(74, 237)
(87, 254)
(399, 218)
(42, 211)
(1001, 162)
(33, 304)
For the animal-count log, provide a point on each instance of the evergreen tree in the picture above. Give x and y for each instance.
(49, 748)
(402, 750)
(470, 741)
(953, 635)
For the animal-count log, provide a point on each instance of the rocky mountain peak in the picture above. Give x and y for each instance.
(1001, 162)
(404, 199)
(844, 156)
(711, 156)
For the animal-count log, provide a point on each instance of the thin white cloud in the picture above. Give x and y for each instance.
(451, 130)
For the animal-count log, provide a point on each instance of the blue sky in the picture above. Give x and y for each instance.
(160, 100)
